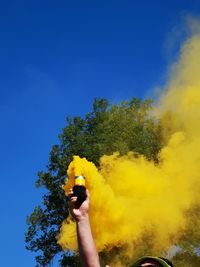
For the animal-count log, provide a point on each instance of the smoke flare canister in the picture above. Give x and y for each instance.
(79, 189)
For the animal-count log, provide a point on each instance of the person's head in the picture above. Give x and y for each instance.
(153, 262)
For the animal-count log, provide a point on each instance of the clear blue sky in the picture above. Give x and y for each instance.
(55, 57)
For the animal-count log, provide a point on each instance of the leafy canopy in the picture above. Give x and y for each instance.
(123, 127)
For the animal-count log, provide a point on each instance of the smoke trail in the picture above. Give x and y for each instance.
(132, 197)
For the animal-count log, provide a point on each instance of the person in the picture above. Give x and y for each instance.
(86, 245)
(149, 261)
(87, 249)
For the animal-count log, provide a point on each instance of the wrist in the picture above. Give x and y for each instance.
(82, 219)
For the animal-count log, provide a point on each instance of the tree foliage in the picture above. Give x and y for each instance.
(186, 259)
(123, 127)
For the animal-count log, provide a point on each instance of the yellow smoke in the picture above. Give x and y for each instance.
(132, 196)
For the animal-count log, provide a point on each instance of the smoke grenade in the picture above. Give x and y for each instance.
(79, 189)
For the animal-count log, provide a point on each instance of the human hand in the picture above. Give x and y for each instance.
(78, 212)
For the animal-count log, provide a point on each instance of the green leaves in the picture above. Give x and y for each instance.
(123, 127)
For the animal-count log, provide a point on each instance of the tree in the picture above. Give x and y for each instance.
(106, 129)
(186, 259)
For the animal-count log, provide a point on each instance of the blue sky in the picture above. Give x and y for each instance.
(55, 57)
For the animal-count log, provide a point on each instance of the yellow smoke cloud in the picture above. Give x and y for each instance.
(132, 196)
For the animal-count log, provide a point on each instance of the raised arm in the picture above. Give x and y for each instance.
(87, 248)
